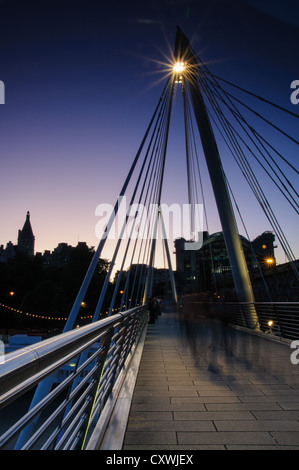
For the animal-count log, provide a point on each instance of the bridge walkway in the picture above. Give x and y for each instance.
(241, 393)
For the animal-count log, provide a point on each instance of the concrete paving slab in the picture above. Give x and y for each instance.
(150, 437)
(198, 426)
(226, 438)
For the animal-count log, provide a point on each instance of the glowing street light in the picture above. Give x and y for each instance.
(178, 67)
(270, 325)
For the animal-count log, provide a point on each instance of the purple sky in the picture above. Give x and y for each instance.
(81, 86)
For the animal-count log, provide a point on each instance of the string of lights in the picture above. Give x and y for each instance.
(33, 315)
(44, 316)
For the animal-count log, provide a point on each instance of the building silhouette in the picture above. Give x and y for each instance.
(25, 243)
(26, 238)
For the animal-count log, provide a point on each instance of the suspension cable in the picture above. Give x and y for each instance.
(207, 92)
(257, 96)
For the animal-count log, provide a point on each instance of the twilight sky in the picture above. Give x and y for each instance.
(82, 80)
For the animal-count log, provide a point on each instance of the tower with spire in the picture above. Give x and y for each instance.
(26, 238)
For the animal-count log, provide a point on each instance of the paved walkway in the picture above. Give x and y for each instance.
(249, 399)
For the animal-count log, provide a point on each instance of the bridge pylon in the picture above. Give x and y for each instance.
(189, 70)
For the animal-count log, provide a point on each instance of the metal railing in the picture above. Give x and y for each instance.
(87, 362)
(278, 318)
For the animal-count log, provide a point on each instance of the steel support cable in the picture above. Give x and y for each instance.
(154, 149)
(193, 159)
(190, 129)
(255, 157)
(265, 205)
(119, 241)
(104, 288)
(214, 77)
(259, 162)
(159, 186)
(258, 97)
(191, 182)
(274, 150)
(97, 254)
(263, 118)
(280, 189)
(278, 153)
(243, 89)
(187, 143)
(148, 208)
(239, 271)
(262, 201)
(155, 213)
(225, 124)
(198, 166)
(266, 171)
(195, 168)
(150, 190)
(260, 196)
(145, 212)
(156, 173)
(153, 183)
(250, 109)
(251, 246)
(132, 228)
(164, 262)
(203, 199)
(125, 256)
(166, 139)
(274, 223)
(236, 205)
(191, 142)
(260, 137)
(257, 135)
(45, 386)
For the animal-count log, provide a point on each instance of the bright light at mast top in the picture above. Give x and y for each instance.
(178, 67)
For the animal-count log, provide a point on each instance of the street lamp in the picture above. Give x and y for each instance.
(178, 67)
(270, 324)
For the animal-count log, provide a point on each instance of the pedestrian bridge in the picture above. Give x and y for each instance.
(204, 387)
(226, 379)
(185, 382)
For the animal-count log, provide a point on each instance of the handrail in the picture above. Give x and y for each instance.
(24, 368)
(24, 363)
(277, 318)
